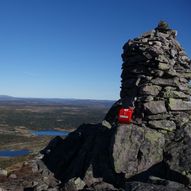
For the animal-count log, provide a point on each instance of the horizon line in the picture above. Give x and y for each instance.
(72, 98)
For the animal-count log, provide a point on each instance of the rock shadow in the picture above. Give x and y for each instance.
(84, 153)
(160, 170)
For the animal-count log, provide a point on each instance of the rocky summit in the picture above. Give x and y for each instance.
(153, 153)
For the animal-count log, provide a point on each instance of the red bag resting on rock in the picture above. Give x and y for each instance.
(125, 115)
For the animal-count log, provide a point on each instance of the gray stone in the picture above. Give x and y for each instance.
(158, 116)
(53, 189)
(186, 75)
(75, 184)
(145, 40)
(13, 176)
(2, 189)
(180, 153)
(148, 98)
(172, 62)
(165, 186)
(158, 43)
(181, 118)
(163, 66)
(174, 33)
(147, 34)
(79, 183)
(185, 58)
(3, 172)
(150, 43)
(136, 149)
(174, 94)
(150, 90)
(42, 187)
(35, 168)
(163, 35)
(155, 50)
(172, 72)
(187, 129)
(89, 177)
(173, 52)
(162, 58)
(34, 183)
(163, 124)
(167, 183)
(155, 107)
(165, 82)
(182, 66)
(169, 88)
(183, 87)
(158, 73)
(183, 80)
(147, 55)
(179, 105)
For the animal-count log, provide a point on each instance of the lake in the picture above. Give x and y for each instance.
(14, 153)
(50, 133)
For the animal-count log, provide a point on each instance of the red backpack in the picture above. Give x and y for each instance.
(125, 115)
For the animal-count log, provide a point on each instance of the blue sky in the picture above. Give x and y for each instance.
(72, 48)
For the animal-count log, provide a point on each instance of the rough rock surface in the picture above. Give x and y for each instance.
(164, 186)
(153, 153)
(32, 175)
(136, 149)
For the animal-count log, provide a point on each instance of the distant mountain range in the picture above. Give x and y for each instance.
(10, 100)
(6, 97)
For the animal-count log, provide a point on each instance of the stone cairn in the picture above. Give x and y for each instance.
(156, 71)
(151, 153)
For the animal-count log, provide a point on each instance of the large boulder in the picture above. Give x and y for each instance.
(136, 149)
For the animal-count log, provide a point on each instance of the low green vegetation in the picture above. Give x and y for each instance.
(8, 138)
(16, 121)
(50, 117)
(7, 162)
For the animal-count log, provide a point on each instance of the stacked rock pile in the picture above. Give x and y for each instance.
(157, 71)
(153, 152)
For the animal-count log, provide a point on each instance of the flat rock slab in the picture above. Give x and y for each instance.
(175, 94)
(179, 105)
(158, 116)
(163, 124)
(155, 107)
(165, 82)
(150, 90)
